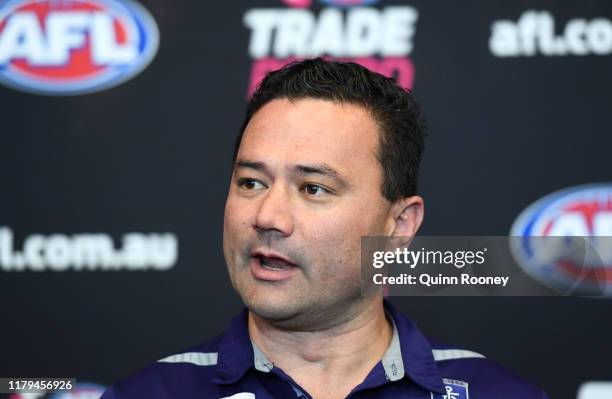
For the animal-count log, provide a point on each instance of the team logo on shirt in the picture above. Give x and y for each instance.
(454, 390)
(68, 47)
(564, 240)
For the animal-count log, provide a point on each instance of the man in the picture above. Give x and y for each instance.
(329, 152)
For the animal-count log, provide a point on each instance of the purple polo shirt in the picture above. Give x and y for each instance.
(231, 366)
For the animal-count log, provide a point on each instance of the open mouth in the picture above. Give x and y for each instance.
(270, 266)
(274, 263)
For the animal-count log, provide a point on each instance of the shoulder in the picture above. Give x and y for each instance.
(481, 376)
(464, 372)
(182, 372)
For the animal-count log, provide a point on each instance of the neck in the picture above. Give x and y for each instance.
(342, 353)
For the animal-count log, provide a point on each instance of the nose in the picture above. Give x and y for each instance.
(274, 213)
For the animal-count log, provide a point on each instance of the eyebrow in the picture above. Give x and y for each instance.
(316, 169)
(323, 170)
(243, 163)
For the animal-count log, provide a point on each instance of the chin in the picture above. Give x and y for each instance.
(268, 308)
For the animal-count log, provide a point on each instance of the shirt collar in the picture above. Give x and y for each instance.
(238, 353)
(262, 363)
(409, 353)
(392, 361)
(235, 351)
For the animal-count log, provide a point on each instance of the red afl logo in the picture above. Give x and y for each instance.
(565, 240)
(61, 47)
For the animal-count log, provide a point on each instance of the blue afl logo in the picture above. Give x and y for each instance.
(564, 240)
(60, 47)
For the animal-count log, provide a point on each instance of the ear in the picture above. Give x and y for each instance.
(405, 217)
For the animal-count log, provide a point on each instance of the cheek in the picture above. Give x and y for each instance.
(227, 217)
(235, 225)
(236, 213)
(352, 222)
(337, 240)
(337, 236)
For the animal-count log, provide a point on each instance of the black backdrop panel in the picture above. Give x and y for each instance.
(153, 155)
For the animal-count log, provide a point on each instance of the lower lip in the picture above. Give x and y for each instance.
(262, 273)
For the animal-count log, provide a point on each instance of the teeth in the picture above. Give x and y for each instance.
(271, 268)
(271, 265)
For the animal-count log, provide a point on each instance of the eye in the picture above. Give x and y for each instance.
(314, 189)
(250, 184)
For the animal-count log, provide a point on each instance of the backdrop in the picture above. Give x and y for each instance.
(112, 200)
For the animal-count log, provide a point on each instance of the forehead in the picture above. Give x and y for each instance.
(312, 131)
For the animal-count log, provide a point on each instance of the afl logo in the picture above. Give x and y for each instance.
(67, 47)
(564, 240)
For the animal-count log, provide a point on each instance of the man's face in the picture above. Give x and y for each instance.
(306, 186)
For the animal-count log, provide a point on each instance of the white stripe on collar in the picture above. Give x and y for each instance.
(197, 358)
(452, 354)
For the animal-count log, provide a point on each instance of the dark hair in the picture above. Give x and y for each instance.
(402, 129)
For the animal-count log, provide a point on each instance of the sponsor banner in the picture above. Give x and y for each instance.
(379, 38)
(535, 33)
(566, 237)
(88, 252)
(478, 266)
(73, 47)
